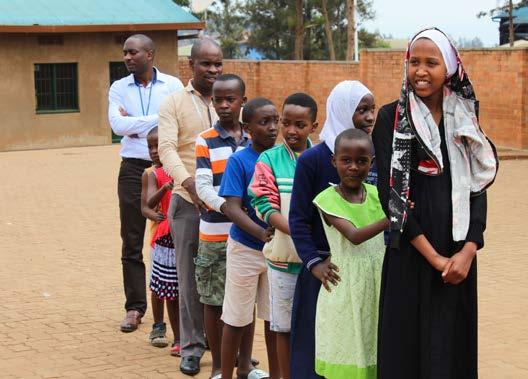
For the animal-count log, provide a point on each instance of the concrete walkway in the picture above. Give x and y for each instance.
(60, 273)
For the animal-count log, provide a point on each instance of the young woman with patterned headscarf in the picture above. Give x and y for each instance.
(431, 150)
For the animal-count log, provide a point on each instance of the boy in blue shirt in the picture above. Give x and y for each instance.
(246, 269)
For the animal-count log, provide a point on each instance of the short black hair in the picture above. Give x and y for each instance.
(303, 100)
(353, 134)
(146, 41)
(154, 130)
(251, 107)
(201, 42)
(228, 77)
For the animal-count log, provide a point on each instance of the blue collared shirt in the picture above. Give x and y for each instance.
(134, 128)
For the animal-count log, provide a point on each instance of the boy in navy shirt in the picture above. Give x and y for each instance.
(246, 271)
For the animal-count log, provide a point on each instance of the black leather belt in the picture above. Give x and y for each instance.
(138, 162)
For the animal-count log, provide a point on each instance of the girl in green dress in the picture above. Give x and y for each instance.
(347, 314)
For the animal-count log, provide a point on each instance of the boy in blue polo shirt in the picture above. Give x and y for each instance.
(246, 270)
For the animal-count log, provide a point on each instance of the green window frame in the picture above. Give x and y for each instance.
(56, 87)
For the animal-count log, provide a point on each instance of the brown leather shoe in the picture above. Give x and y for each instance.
(131, 321)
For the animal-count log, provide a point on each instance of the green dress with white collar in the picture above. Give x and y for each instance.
(347, 318)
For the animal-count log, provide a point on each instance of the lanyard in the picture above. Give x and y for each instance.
(141, 98)
(198, 110)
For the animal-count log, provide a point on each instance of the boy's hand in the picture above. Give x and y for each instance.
(326, 272)
(458, 266)
(190, 187)
(267, 234)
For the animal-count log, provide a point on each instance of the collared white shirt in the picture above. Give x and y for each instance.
(142, 110)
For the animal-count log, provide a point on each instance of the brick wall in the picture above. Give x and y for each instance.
(278, 79)
(499, 77)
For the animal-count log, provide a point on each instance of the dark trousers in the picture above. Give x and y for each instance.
(132, 232)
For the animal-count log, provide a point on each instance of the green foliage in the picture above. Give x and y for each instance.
(228, 21)
(272, 28)
(183, 3)
(371, 40)
(268, 26)
(271, 25)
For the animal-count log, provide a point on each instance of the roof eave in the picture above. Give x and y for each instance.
(99, 28)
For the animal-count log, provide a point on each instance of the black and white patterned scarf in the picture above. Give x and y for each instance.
(472, 156)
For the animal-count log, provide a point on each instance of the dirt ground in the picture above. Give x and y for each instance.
(61, 283)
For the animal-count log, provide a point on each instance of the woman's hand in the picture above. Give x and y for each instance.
(459, 264)
(439, 262)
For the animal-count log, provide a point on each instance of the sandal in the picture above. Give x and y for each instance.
(255, 374)
(157, 335)
(175, 350)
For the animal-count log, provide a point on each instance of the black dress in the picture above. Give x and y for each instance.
(427, 329)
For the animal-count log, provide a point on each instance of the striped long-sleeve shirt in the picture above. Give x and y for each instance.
(214, 146)
(270, 191)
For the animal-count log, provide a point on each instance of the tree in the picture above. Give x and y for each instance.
(371, 40)
(464, 43)
(286, 29)
(228, 22)
(270, 26)
(183, 3)
(343, 16)
(364, 8)
(328, 30)
(351, 29)
(299, 30)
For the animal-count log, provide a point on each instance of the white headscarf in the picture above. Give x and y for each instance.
(445, 47)
(340, 107)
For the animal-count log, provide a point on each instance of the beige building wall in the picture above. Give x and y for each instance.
(22, 128)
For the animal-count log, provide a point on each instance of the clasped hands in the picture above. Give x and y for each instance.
(455, 269)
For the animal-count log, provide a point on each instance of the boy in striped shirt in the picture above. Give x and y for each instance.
(270, 191)
(213, 148)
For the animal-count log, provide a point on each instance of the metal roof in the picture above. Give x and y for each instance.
(93, 15)
(520, 15)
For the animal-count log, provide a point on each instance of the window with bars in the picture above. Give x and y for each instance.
(56, 88)
(117, 70)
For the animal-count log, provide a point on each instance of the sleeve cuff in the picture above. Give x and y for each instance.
(412, 229)
(218, 204)
(268, 214)
(312, 262)
(476, 234)
(180, 175)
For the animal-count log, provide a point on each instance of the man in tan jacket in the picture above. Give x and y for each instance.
(182, 116)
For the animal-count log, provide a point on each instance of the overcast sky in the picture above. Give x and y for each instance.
(402, 18)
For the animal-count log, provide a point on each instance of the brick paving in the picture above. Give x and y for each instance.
(60, 276)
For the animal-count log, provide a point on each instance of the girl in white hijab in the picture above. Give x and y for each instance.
(341, 108)
(349, 105)
(431, 150)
